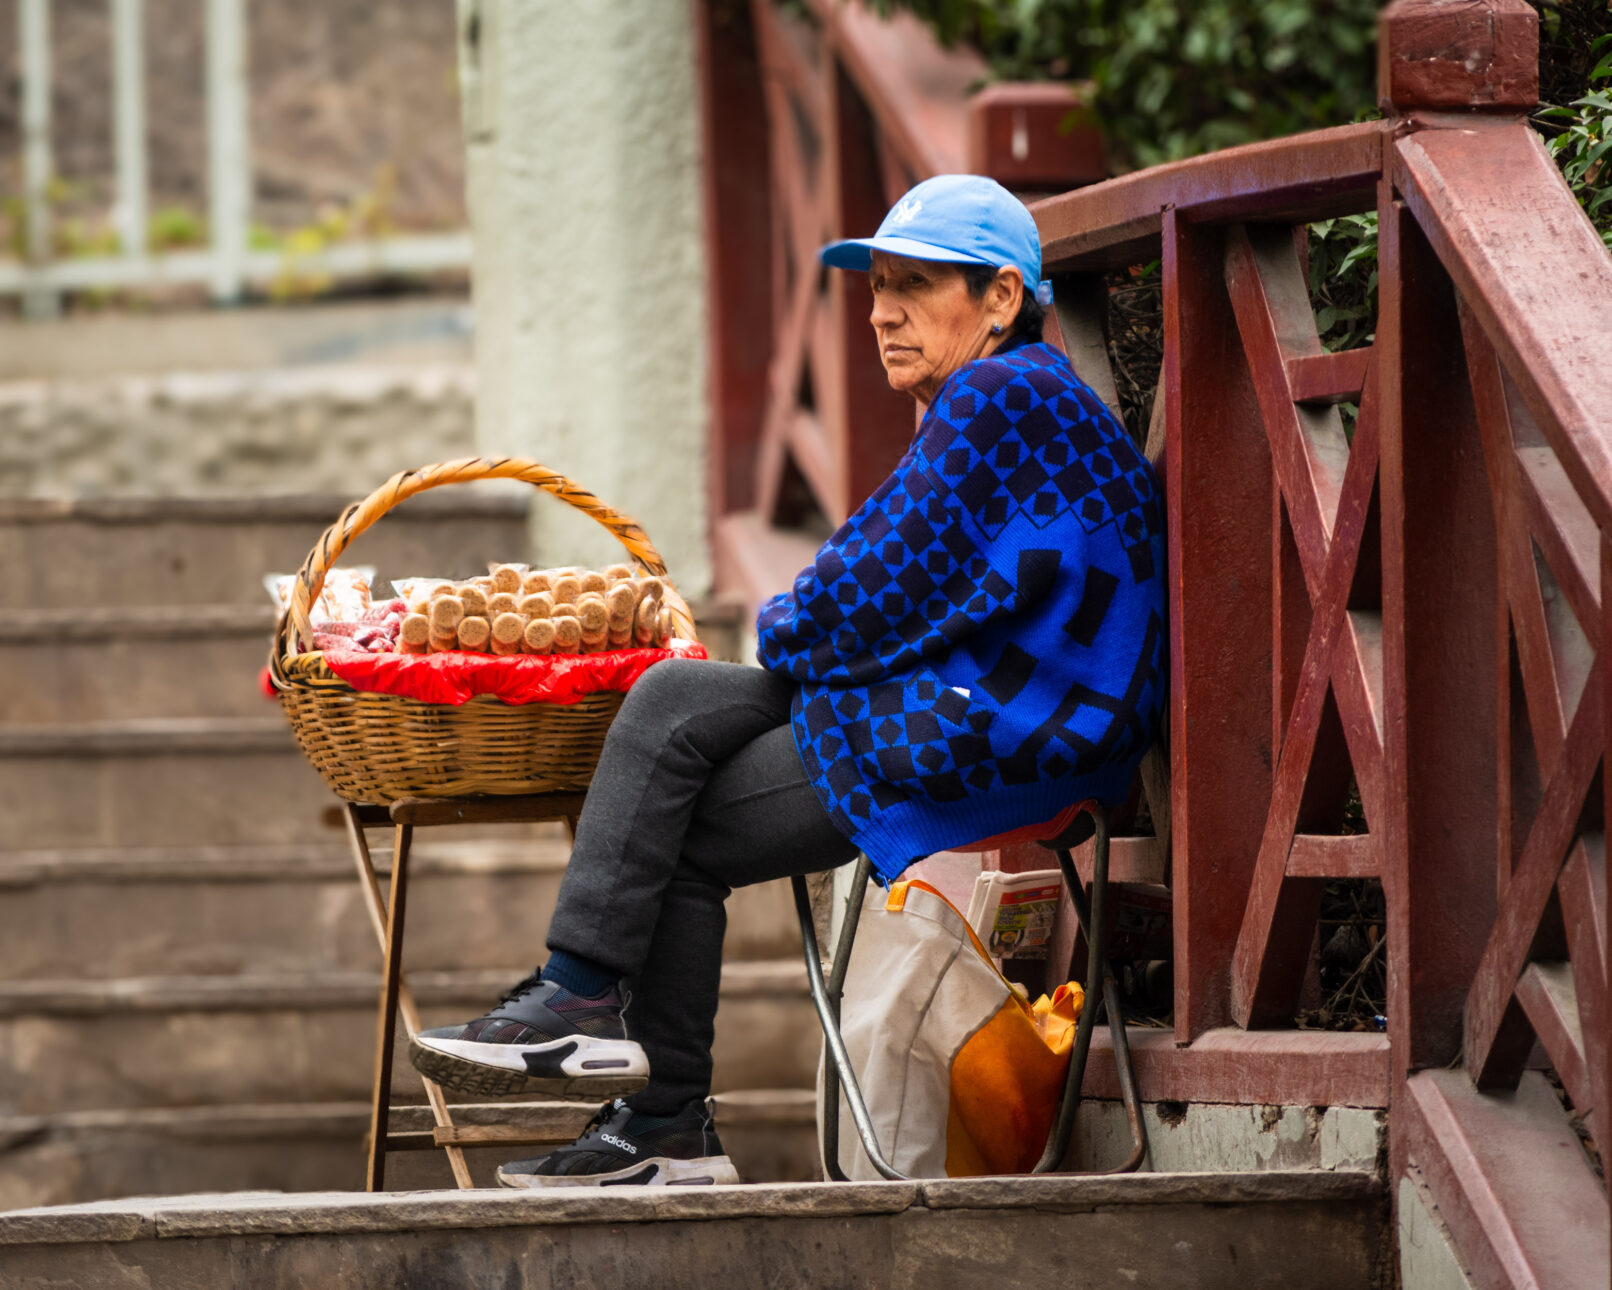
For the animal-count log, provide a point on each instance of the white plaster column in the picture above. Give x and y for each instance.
(582, 131)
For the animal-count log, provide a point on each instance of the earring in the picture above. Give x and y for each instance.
(996, 329)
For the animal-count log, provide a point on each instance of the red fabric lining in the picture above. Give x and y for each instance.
(455, 677)
(1029, 833)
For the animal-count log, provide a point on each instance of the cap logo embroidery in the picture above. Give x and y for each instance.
(906, 211)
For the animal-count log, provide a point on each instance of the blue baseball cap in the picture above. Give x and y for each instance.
(955, 219)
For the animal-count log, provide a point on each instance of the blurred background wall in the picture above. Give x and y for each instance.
(584, 191)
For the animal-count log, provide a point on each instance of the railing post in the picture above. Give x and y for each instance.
(229, 159)
(1218, 489)
(129, 123)
(33, 41)
(1454, 55)
(738, 251)
(1441, 646)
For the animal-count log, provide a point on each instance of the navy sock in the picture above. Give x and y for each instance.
(582, 977)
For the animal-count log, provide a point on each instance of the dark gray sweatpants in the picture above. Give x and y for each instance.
(699, 790)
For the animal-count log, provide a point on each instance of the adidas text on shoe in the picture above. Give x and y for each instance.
(541, 1039)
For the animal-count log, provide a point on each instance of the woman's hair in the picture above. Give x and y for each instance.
(1031, 314)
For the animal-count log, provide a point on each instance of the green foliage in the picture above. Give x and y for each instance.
(1343, 279)
(173, 228)
(1173, 78)
(1579, 137)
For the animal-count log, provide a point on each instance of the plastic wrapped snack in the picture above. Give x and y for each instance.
(343, 599)
(415, 592)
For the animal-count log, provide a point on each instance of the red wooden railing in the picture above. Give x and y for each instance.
(818, 124)
(1418, 607)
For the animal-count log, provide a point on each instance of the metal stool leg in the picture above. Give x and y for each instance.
(1102, 991)
(837, 1069)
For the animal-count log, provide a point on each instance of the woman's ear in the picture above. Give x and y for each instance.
(1005, 296)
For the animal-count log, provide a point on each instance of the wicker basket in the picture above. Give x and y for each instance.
(377, 748)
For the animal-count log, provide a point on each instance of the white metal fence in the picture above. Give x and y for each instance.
(228, 263)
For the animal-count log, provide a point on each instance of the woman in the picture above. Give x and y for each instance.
(979, 646)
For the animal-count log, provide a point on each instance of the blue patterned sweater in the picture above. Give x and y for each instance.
(982, 643)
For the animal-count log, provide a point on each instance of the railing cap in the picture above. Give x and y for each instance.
(1449, 55)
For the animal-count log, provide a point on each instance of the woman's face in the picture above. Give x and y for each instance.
(929, 325)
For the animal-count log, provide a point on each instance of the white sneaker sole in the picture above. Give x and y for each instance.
(575, 1066)
(656, 1171)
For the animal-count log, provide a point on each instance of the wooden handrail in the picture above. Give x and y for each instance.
(1532, 268)
(1306, 177)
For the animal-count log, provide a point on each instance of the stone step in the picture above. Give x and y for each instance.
(1323, 1231)
(221, 910)
(158, 782)
(208, 1041)
(92, 1155)
(215, 551)
(129, 662)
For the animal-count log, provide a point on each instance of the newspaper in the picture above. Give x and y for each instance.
(1013, 913)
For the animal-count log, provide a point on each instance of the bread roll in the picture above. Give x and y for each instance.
(485, 582)
(536, 581)
(439, 589)
(567, 634)
(416, 630)
(618, 573)
(446, 614)
(501, 603)
(474, 633)
(508, 632)
(566, 589)
(441, 642)
(539, 636)
(622, 602)
(474, 599)
(594, 613)
(619, 638)
(594, 582)
(537, 605)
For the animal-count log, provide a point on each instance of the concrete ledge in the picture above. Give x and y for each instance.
(345, 1213)
(1092, 1235)
(1070, 1195)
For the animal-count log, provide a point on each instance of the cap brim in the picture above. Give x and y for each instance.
(857, 252)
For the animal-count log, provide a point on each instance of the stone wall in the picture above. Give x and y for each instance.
(326, 429)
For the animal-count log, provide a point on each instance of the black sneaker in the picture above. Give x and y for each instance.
(540, 1039)
(622, 1148)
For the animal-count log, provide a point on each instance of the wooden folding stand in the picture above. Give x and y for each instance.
(388, 920)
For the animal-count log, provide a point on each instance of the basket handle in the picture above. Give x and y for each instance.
(404, 485)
